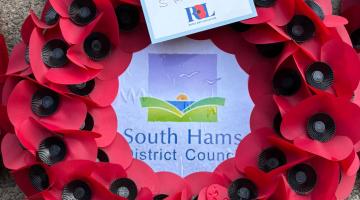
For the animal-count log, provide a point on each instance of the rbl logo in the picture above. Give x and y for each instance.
(198, 12)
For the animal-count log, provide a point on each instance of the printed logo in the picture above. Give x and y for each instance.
(191, 87)
(198, 12)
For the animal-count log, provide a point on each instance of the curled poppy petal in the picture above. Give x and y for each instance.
(118, 147)
(345, 186)
(199, 180)
(146, 179)
(314, 182)
(19, 60)
(33, 179)
(15, 156)
(46, 106)
(266, 114)
(266, 155)
(49, 61)
(51, 147)
(315, 115)
(170, 184)
(133, 31)
(228, 170)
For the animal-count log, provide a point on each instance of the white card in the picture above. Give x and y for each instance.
(157, 112)
(170, 19)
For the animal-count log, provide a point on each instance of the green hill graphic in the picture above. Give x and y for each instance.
(204, 110)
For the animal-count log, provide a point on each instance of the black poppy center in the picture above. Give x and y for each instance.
(316, 8)
(160, 197)
(270, 50)
(128, 17)
(77, 190)
(270, 159)
(97, 46)
(88, 124)
(125, 188)
(38, 178)
(52, 150)
(302, 178)
(321, 127)
(286, 82)
(319, 75)
(242, 189)
(240, 27)
(82, 89)
(264, 3)
(102, 156)
(51, 16)
(44, 103)
(300, 28)
(54, 53)
(355, 39)
(82, 12)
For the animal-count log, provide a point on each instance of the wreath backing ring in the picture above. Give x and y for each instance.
(61, 140)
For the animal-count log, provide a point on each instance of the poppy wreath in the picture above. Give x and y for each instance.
(60, 137)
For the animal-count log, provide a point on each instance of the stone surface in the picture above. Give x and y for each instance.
(12, 14)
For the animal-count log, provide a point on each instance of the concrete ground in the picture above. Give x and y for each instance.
(12, 14)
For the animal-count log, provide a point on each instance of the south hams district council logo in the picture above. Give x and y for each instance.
(188, 83)
(198, 12)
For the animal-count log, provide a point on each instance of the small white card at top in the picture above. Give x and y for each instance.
(170, 19)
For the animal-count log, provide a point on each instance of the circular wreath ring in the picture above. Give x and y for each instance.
(61, 140)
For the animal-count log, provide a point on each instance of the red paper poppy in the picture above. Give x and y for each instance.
(49, 61)
(143, 176)
(345, 186)
(118, 152)
(305, 28)
(266, 152)
(335, 73)
(267, 55)
(33, 179)
(266, 114)
(92, 91)
(73, 181)
(123, 183)
(78, 17)
(311, 180)
(101, 48)
(352, 14)
(321, 125)
(14, 155)
(54, 147)
(49, 17)
(323, 9)
(282, 80)
(29, 100)
(133, 32)
(169, 184)
(8, 86)
(277, 12)
(102, 122)
(228, 170)
(253, 184)
(19, 62)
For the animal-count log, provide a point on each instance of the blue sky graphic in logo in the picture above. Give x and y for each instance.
(183, 88)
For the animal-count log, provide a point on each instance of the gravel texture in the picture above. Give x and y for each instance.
(12, 14)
